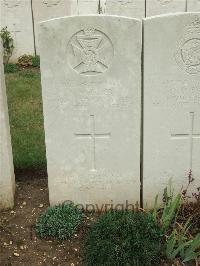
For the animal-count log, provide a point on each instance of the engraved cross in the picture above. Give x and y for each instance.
(191, 136)
(93, 136)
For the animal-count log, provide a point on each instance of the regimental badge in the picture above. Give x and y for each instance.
(90, 52)
(188, 52)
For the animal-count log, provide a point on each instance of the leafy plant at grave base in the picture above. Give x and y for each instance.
(8, 44)
(25, 60)
(180, 243)
(60, 221)
(170, 208)
(11, 68)
(36, 61)
(124, 238)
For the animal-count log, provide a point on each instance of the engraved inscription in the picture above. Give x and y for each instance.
(124, 2)
(188, 52)
(103, 179)
(50, 3)
(182, 93)
(164, 2)
(11, 3)
(90, 52)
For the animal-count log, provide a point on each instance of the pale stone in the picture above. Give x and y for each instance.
(49, 9)
(7, 180)
(91, 95)
(171, 102)
(17, 16)
(128, 8)
(157, 7)
(88, 7)
(193, 5)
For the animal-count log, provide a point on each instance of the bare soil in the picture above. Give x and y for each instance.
(19, 244)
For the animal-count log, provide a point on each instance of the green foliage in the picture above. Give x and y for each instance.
(180, 244)
(60, 221)
(170, 208)
(123, 238)
(8, 44)
(36, 61)
(11, 68)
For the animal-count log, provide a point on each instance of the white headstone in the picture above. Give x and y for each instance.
(17, 16)
(49, 9)
(157, 7)
(91, 82)
(193, 5)
(171, 102)
(7, 180)
(88, 7)
(128, 8)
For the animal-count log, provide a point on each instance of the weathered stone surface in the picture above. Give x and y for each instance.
(128, 8)
(171, 102)
(193, 5)
(17, 16)
(91, 95)
(88, 7)
(49, 9)
(157, 7)
(7, 180)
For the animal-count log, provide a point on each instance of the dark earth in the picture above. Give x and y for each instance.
(19, 244)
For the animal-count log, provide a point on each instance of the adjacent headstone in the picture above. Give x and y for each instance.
(91, 82)
(49, 9)
(158, 7)
(193, 5)
(7, 180)
(17, 16)
(88, 7)
(171, 102)
(128, 8)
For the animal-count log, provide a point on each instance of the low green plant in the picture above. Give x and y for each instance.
(11, 68)
(60, 221)
(36, 61)
(169, 209)
(8, 44)
(123, 238)
(180, 243)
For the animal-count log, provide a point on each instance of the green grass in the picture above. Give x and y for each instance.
(26, 118)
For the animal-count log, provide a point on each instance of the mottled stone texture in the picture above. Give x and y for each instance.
(7, 180)
(171, 102)
(128, 8)
(17, 16)
(92, 102)
(158, 7)
(193, 5)
(49, 9)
